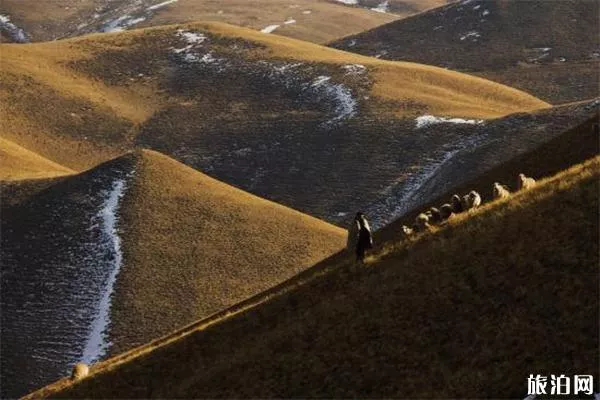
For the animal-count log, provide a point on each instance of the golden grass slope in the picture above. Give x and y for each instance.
(80, 117)
(19, 163)
(509, 289)
(316, 20)
(193, 246)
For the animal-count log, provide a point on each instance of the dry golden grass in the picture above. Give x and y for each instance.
(445, 92)
(468, 311)
(55, 108)
(328, 20)
(19, 163)
(193, 246)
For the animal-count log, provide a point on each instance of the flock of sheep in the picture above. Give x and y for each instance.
(459, 204)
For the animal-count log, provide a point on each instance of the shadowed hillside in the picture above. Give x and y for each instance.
(322, 131)
(130, 250)
(550, 157)
(548, 48)
(482, 293)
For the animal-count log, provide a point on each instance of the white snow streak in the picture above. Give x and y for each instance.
(383, 7)
(472, 35)
(290, 21)
(16, 33)
(354, 69)
(160, 5)
(346, 105)
(349, 2)
(97, 344)
(270, 28)
(122, 23)
(427, 120)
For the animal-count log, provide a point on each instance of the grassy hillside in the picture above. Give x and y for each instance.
(551, 156)
(188, 245)
(268, 114)
(194, 246)
(316, 20)
(549, 49)
(19, 163)
(482, 294)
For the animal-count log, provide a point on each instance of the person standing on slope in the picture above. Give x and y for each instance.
(360, 234)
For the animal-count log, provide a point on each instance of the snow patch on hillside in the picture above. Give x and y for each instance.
(349, 2)
(161, 5)
(122, 23)
(427, 120)
(473, 35)
(382, 7)
(269, 29)
(354, 69)
(345, 104)
(97, 342)
(17, 34)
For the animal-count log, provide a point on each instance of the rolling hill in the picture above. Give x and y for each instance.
(113, 257)
(268, 114)
(312, 20)
(19, 163)
(549, 49)
(482, 293)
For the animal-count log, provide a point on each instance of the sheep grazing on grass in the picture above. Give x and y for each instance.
(436, 215)
(80, 371)
(500, 191)
(421, 223)
(456, 204)
(471, 200)
(525, 182)
(406, 231)
(446, 211)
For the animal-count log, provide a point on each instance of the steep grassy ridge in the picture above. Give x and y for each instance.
(194, 246)
(469, 311)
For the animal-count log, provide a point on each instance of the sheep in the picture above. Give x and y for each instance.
(500, 191)
(525, 182)
(446, 211)
(421, 223)
(471, 200)
(80, 371)
(406, 231)
(456, 204)
(436, 216)
(475, 199)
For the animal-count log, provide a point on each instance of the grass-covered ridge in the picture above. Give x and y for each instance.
(496, 291)
(187, 246)
(19, 163)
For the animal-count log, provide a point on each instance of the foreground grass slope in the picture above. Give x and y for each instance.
(504, 291)
(19, 163)
(188, 246)
(549, 49)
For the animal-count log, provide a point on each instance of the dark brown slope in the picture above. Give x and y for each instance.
(183, 246)
(548, 48)
(546, 159)
(504, 291)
